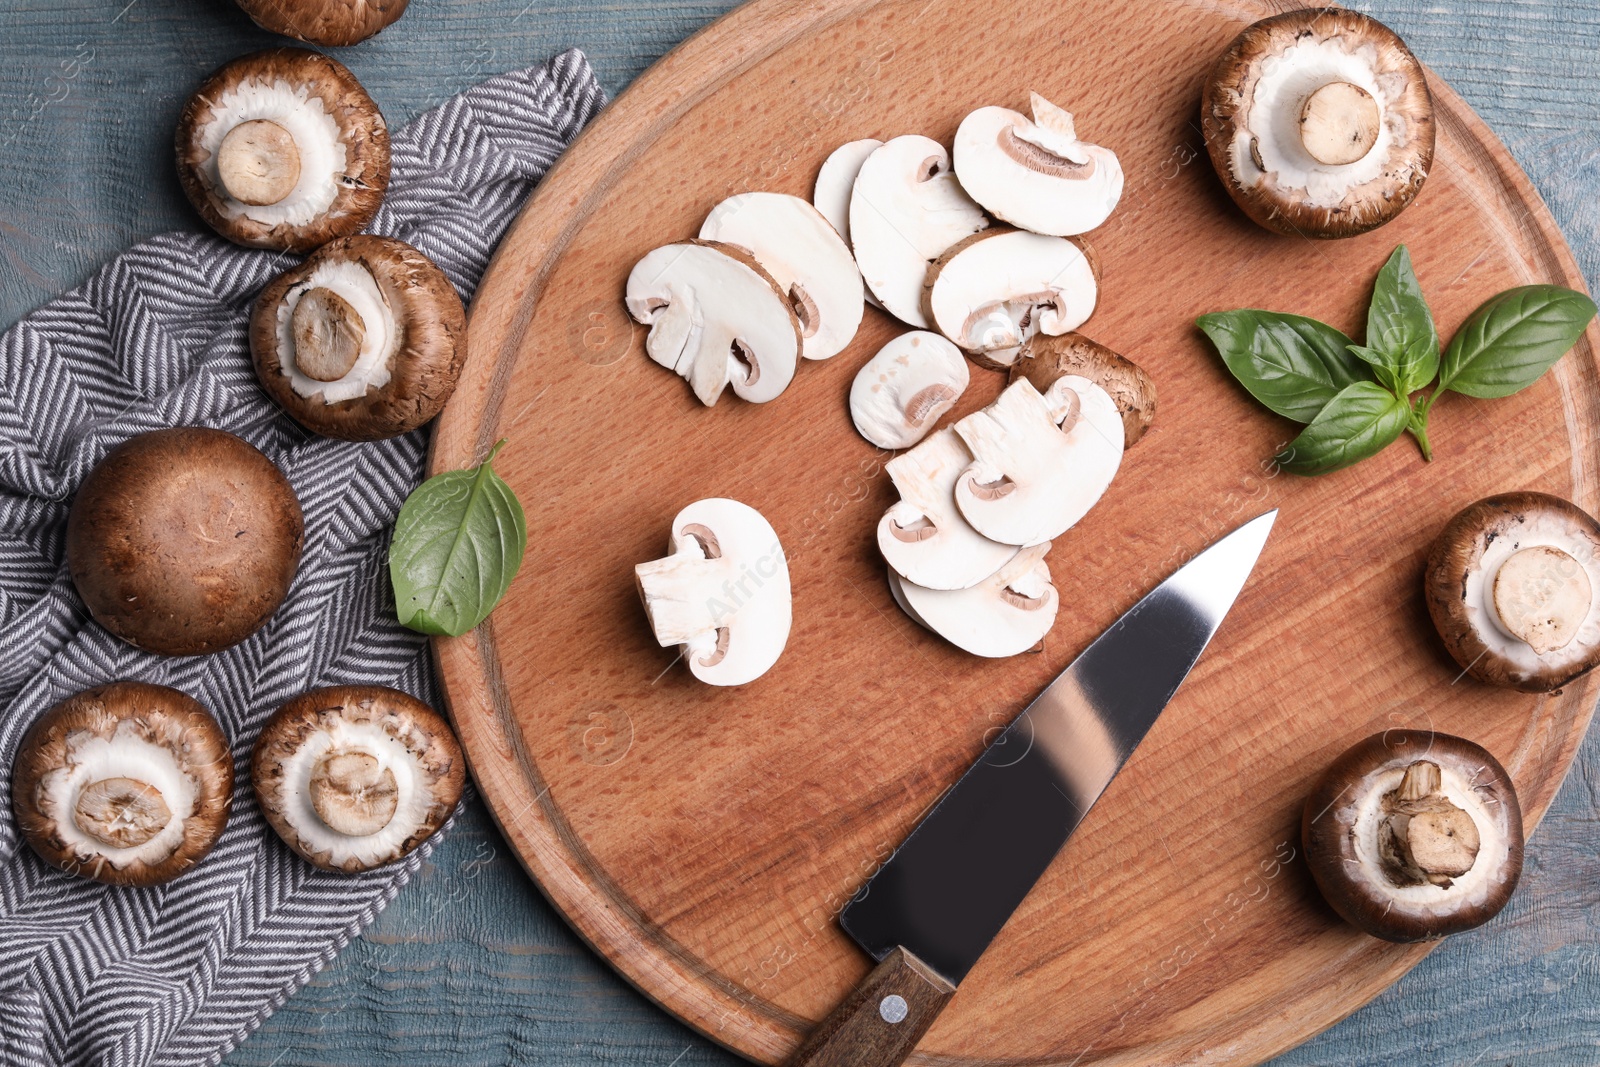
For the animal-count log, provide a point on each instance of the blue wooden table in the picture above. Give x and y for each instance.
(470, 966)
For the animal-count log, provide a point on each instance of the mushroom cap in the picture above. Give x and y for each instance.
(339, 135)
(1045, 360)
(330, 23)
(184, 541)
(413, 339)
(379, 763)
(899, 394)
(144, 764)
(1344, 815)
(1005, 614)
(836, 180)
(924, 536)
(1460, 587)
(1252, 109)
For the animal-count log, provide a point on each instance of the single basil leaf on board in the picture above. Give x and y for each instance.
(1400, 329)
(1363, 420)
(458, 542)
(1292, 364)
(1513, 338)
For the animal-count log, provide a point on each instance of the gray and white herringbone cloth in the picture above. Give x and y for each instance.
(179, 974)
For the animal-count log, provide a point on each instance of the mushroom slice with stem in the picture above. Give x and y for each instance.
(924, 536)
(1511, 585)
(331, 23)
(283, 149)
(722, 592)
(1036, 174)
(127, 783)
(1412, 835)
(906, 208)
(806, 257)
(1045, 360)
(362, 341)
(900, 393)
(1006, 614)
(356, 776)
(716, 318)
(1040, 462)
(835, 182)
(995, 289)
(1319, 123)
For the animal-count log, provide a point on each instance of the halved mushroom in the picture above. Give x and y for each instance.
(806, 257)
(835, 182)
(1319, 123)
(1413, 835)
(127, 783)
(717, 318)
(332, 23)
(356, 776)
(364, 340)
(1045, 360)
(283, 149)
(1036, 174)
(900, 393)
(1511, 585)
(184, 541)
(1040, 462)
(722, 592)
(924, 536)
(906, 208)
(1004, 615)
(995, 289)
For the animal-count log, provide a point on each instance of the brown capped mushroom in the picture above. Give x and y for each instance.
(1044, 360)
(1413, 835)
(363, 340)
(1511, 584)
(127, 783)
(333, 23)
(1319, 123)
(283, 149)
(184, 541)
(356, 776)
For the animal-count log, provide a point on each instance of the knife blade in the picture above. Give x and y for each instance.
(936, 904)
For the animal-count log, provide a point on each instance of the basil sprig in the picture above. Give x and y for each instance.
(1357, 399)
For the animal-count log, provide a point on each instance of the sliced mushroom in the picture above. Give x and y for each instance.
(722, 592)
(805, 256)
(1004, 615)
(906, 208)
(331, 23)
(1413, 835)
(356, 776)
(1319, 123)
(900, 393)
(364, 340)
(127, 783)
(1036, 174)
(1045, 360)
(835, 182)
(716, 318)
(924, 536)
(1040, 462)
(1511, 584)
(184, 541)
(995, 289)
(283, 149)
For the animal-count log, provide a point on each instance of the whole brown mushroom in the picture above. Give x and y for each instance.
(1413, 835)
(283, 149)
(363, 340)
(127, 783)
(333, 23)
(1045, 359)
(184, 541)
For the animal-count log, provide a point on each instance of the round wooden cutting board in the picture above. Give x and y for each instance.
(704, 840)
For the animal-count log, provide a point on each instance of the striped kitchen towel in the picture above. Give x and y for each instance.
(180, 973)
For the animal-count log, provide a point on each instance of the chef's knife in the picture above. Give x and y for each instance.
(933, 908)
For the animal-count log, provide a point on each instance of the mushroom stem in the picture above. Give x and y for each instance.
(328, 334)
(352, 793)
(1339, 123)
(258, 163)
(121, 812)
(1425, 837)
(1542, 596)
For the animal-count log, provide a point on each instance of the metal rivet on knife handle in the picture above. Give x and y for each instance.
(882, 1020)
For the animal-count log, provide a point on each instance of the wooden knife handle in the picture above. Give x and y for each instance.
(882, 1020)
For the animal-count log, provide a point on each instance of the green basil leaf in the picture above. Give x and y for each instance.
(1514, 338)
(1382, 366)
(1400, 328)
(1363, 420)
(1292, 364)
(458, 542)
